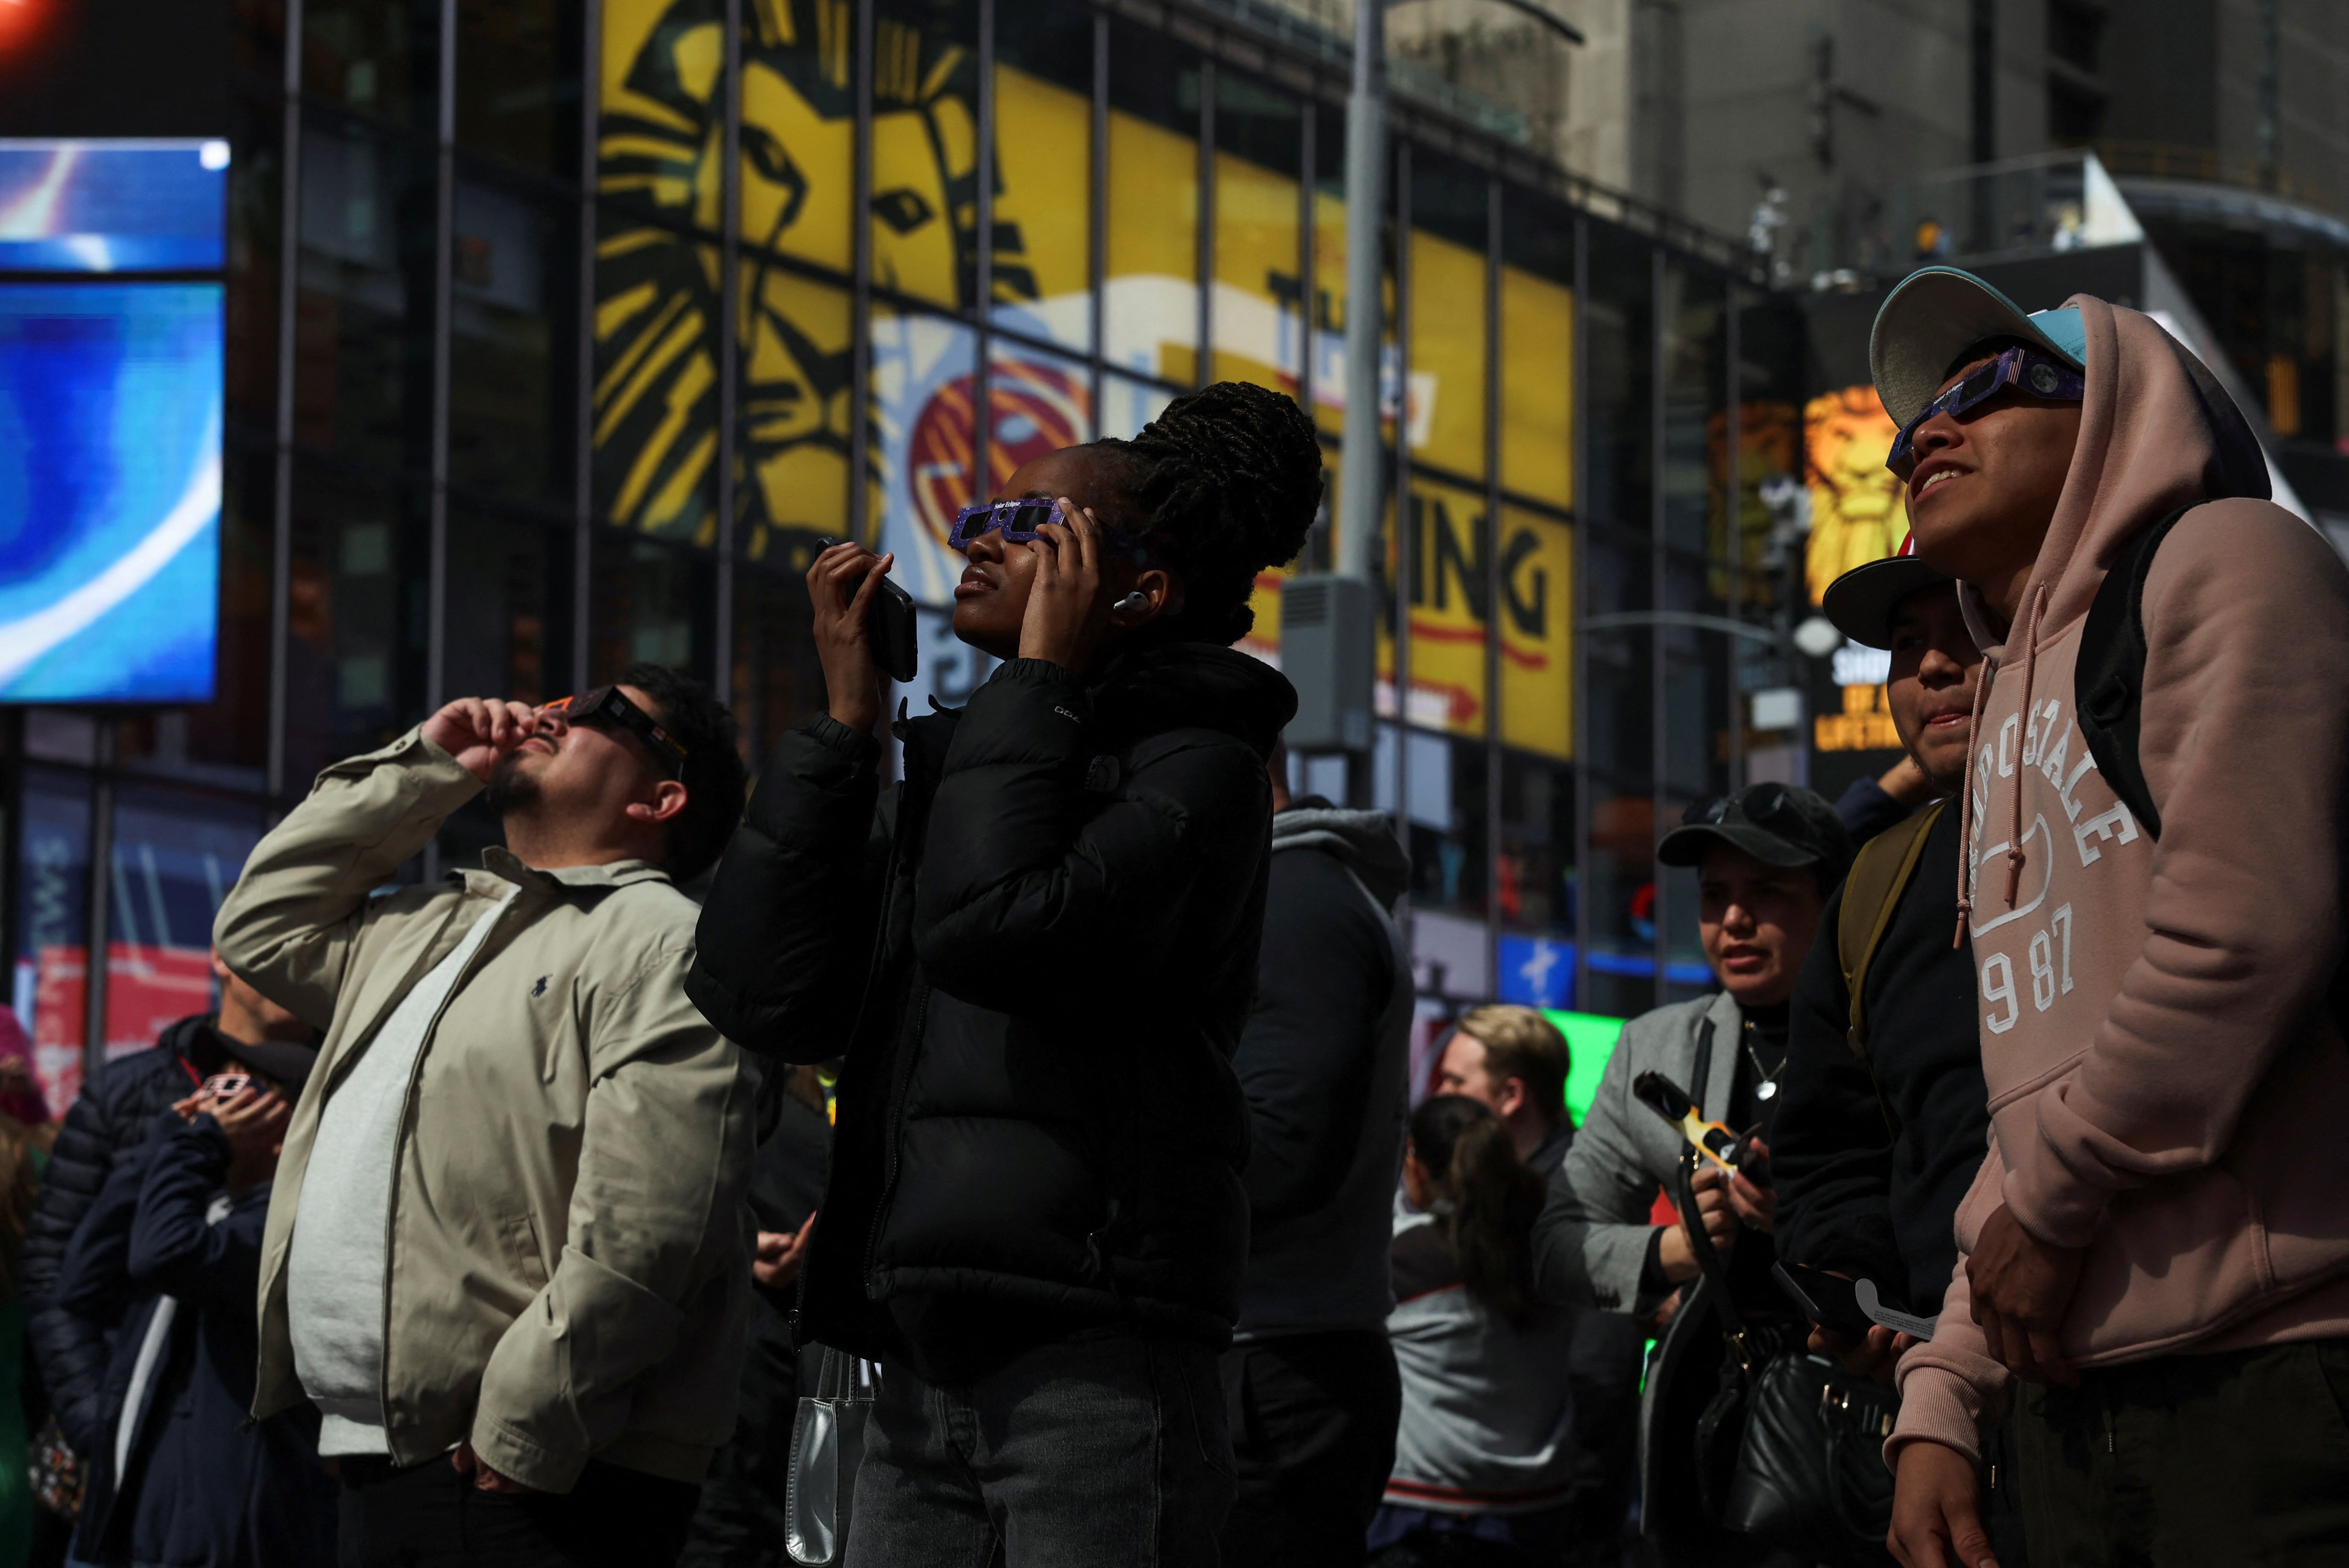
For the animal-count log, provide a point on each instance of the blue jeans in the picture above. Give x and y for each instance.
(1107, 1448)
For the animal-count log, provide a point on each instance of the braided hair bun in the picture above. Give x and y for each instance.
(1228, 479)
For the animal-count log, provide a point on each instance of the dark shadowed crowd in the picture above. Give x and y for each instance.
(1011, 1151)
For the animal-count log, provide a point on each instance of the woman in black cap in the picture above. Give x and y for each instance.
(1766, 859)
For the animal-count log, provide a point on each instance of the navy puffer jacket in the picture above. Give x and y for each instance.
(1039, 959)
(204, 1487)
(112, 1118)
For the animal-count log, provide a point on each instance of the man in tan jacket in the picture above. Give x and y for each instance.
(507, 1252)
(2155, 1254)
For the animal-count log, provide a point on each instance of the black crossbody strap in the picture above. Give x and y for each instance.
(1700, 1072)
(1709, 1269)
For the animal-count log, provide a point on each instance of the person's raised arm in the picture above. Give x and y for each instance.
(787, 934)
(175, 1248)
(289, 924)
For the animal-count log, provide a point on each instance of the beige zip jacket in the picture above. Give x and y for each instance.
(569, 1243)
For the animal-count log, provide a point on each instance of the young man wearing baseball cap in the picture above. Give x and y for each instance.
(1872, 1153)
(2154, 1246)
(1881, 1118)
(1765, 859)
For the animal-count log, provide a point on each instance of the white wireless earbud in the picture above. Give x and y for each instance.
(1133, 603)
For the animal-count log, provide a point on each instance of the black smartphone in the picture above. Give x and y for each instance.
(891, 624)
(1825, 1298)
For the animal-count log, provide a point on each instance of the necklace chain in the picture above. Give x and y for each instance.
(1765, 1084)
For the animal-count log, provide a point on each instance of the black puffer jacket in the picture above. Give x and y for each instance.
(1039, 960)
(112, 1116)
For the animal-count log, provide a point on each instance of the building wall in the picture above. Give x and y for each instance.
(591, 329)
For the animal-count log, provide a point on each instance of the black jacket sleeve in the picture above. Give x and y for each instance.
(1867, 810)
(68, 1346)
(93, 1287)
(1018, 859)
(1306, 1059)
(174, 1249)
(1830, 1151)
(786, 938)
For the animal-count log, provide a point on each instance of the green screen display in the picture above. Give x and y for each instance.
(1591, 1038)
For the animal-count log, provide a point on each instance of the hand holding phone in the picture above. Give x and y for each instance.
(856, 639)
(1849, 1306)
(254, 1123)
(890, 625)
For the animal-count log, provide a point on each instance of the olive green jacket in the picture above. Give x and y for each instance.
(569, 1246)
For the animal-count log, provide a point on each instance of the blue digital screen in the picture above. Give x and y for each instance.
(111, 414)
(113, 206)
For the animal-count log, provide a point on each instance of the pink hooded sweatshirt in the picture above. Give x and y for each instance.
(2168, 1085)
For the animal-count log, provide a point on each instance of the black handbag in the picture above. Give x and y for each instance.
(1789, 1451)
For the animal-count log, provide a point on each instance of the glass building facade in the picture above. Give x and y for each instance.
(561, 331)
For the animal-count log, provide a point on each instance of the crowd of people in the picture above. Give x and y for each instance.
(1065, 1078)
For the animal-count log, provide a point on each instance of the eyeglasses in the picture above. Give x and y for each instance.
(2027, 368)
(1022, 520)
(609, 708)
(1760, 804)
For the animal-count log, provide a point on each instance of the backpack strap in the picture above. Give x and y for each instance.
(1879, 875)
(2108, 682)
(2108, 692)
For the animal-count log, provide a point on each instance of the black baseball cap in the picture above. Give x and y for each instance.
(1860, 602)
(283, 1062)
(1777, 824)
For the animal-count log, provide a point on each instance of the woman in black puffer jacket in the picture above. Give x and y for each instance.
(1037, 953)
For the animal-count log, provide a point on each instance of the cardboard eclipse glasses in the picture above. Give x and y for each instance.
(2036, 372)
(1022, 520)
(608, 708)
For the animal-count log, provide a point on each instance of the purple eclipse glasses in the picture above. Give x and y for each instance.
(2027, 368)
(1022, 520)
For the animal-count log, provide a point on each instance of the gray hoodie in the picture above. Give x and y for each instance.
(1324, 1063)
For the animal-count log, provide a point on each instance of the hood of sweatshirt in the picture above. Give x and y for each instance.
(1364, 840)
(2156, 432)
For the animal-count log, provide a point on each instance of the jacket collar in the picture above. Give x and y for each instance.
(503, 863)
(1728, 1038)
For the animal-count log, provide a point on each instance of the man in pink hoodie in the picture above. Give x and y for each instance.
(2158, 1244)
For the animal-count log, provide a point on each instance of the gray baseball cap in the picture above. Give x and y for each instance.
(1936, 314)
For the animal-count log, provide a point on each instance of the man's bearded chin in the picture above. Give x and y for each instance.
(510, 790)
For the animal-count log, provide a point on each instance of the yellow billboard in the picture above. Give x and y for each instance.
(1858, 511)
(1451, 616)
(659, 319)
